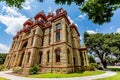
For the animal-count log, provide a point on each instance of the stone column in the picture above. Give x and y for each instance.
(32, 56)
(78, 56)
(84, 56)
(87, 61)
(52, 48)
(16, 59)
(63, 32)
(24, 59)
(63, 55)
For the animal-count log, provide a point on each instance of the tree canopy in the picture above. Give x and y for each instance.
(2, 58)
(104, 46)
(99, 11)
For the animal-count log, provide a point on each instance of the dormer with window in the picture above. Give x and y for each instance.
(28, 23)
(40, 18)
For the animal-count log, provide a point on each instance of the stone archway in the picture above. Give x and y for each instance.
(21, 59)
(24, 45)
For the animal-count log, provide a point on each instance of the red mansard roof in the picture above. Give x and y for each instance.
(32, 22)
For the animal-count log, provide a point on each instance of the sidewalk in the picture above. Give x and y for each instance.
(12, 77)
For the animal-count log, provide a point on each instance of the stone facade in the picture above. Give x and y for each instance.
(51, 42)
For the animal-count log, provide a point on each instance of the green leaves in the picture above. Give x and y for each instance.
(103, 45)
(99, 11)
(2, 57)
(14, 3)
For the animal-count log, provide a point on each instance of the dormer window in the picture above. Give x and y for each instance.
(57, 12)
(42, 21)
(36, 20)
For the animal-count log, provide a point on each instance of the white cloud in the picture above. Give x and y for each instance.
(118, 30)
(12, 19)
(26, 4)
(4, 48)
(76, 25)
(91, 32)
(71, 21)
(82, 16)
(80, 37)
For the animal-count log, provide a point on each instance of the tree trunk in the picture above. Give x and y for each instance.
(104, 64)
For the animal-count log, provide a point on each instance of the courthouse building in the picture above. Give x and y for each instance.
(50, 41)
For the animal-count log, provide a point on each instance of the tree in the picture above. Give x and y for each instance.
(115, 46)
(99, 11)
(2, 58)
(91, 59)
(104, 46)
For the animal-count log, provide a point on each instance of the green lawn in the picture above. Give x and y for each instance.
(76, 74)
(3, 78)
(116, 77)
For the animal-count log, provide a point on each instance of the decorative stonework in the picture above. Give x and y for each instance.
(55, 48)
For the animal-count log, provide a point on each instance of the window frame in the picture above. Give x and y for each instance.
(57, 36)
(58, 26)
(57, 56)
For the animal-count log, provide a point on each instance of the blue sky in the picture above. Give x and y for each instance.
(11, 20)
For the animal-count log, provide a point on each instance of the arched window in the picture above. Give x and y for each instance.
(48, 56)
(57, 52)
(25, 45)
(68, 54)
(40, 57)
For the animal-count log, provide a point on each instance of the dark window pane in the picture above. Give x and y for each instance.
(57, 36)
(48, 58)
(58, 26)
(50, 30)
(57, 55)
(40, 57)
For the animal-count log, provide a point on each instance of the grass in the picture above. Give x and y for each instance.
(116, 77)
(75, 74)
(3, 78)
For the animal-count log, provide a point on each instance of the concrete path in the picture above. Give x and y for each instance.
(12, 77)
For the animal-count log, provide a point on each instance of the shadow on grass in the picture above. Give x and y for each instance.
(78, 72)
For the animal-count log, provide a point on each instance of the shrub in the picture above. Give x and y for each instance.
(34, 69)
(2, 67)
(93, 66)
(17, 70)
(114, 69)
